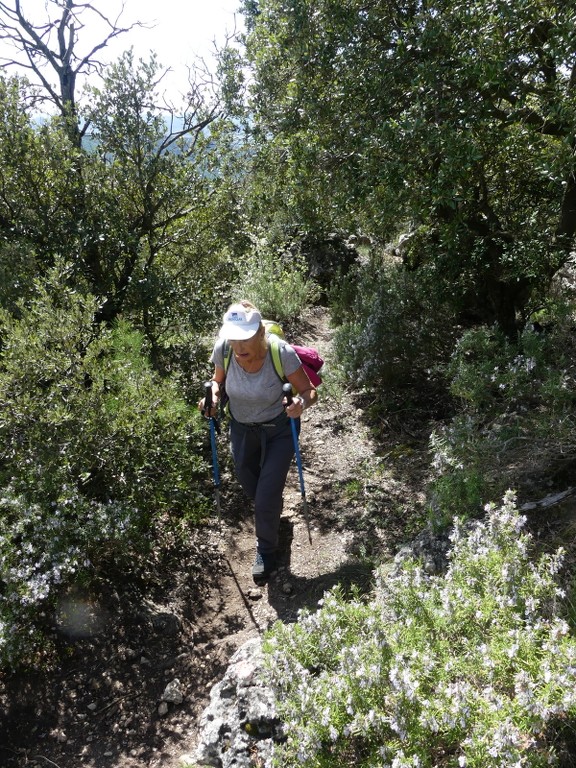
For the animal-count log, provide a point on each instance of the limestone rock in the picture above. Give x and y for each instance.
(240, 725)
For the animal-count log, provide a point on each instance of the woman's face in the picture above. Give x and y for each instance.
(249, 349)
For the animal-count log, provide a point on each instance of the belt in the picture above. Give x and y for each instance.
(257, 423)
(263, 423)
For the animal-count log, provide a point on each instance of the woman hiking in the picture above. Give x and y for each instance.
(260, 430)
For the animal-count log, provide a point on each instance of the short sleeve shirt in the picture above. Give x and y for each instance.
(256, 398)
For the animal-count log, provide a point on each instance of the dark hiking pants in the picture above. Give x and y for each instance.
(262, 456)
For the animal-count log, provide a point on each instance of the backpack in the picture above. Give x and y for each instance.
(309, 357)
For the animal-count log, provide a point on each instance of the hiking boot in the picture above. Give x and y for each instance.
(264, 565)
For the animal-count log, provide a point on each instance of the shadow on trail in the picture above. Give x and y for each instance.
(289, 592)
(306, 592)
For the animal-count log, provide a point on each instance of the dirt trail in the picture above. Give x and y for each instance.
(101, 708)
(316, 551)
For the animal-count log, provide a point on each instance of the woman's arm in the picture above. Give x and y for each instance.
(306, 397)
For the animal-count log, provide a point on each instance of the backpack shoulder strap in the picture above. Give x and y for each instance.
(274, 351)
(276, 356)
(227, 352)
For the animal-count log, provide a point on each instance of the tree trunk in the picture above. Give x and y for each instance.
(567, 224)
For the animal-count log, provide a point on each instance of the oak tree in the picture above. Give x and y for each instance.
(452, 120)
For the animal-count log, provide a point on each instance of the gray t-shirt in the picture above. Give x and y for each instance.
(256, 397)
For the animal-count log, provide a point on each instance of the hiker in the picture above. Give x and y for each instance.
(260, 429)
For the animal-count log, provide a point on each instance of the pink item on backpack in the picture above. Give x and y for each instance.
(311, 362)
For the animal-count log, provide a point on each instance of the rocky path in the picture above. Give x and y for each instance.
(316, 549)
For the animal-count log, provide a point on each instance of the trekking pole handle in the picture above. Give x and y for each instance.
(287, 389)
(207, 398)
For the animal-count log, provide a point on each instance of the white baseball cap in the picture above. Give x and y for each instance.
(240, 323)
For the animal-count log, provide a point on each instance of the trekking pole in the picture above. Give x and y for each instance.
(288, 392)
(214, 427)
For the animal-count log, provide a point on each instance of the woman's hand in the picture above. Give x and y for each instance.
(296, 408)
(213, 409)
(208, 405)
(306, 392)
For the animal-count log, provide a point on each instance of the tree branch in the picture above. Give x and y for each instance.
(32, 41)
(548, 501)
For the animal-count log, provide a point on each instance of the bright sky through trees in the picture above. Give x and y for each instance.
(178, 30)
(182, 30)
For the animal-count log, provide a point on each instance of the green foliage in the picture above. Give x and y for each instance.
(453, 116)
(144, 210)
(155, 202)
(457, 490)
(277, 284)
(391, 333)
(40, 182)
(18, 270)
(82, 409)
(465, 669)
(517, 415)
(96, 449)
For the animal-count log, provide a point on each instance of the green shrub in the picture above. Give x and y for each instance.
(43, 549)
(18, 268)
(95, 450)
(83, 410)
(391, 334)
(277, 286)
(517, 414)
(470, 668)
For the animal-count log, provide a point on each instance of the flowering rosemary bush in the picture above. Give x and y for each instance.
(43, 549)
(470, 668)
(517, 415)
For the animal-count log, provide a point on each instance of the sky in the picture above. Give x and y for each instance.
(179, 30)
(183, 28)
